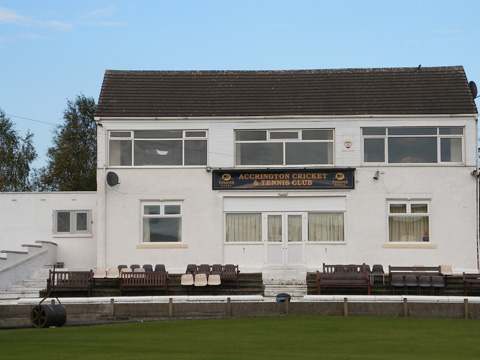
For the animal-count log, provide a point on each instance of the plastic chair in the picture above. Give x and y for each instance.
(438, 282)
(186, 280)
(377, 270)
(160, 268)
(113, 273)
(134, 266)
(411, 281)
(217, 269)
(191, 269)
(120, 267)
(148, 267)
(204, 269)
(99, 273)
(214, 279)
(424, 281)
(397, 281)
(139, 270)
(200, 280)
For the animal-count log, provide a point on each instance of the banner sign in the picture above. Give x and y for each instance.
(283, 179)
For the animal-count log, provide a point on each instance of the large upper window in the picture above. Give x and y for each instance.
(158, 148)
(284, 147)
(161, 222)
(408, 221)
(428, 145)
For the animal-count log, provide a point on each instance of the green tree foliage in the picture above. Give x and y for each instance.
(72, 159)
(16, 156)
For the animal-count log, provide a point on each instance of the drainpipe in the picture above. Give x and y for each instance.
(477, 199)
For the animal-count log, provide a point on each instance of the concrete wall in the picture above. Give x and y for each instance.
(19, 315)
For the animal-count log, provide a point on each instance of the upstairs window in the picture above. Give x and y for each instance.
(410, 145)
(284, 147)
(158, 148)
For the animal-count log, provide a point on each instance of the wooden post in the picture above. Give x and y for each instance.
(345, 307)
(112, 308)
(229, 307)
(287, 302)
(405, 307)
(465, 308)
(170, 308)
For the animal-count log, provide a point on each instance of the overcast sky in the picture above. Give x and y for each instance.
(52, 50)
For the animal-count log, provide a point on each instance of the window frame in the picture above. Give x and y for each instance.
(438, 136)
(305, 223)
(161, 215)
(284, 141)
(409, 213)
(72, 223)
(130, 136)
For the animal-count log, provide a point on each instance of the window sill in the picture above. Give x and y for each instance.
(162, 246)
(72, 235)
(326, 243)
(409, 246)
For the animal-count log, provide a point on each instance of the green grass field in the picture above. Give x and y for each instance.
(287, 337)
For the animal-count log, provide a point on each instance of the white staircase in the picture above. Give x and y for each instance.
(292, 282)
(29, 288)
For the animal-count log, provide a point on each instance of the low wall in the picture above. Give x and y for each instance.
(96, 313)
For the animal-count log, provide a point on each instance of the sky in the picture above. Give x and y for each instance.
(51, 51)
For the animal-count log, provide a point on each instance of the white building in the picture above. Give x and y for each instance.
(288, 169)
(272, 170)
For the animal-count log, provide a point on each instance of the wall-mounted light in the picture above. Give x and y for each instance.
(208, 168)
(377, 175)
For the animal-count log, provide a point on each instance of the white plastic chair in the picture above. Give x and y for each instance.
(200, 280)
(186, 280)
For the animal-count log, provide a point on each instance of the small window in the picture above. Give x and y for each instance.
(409, 222)
(243, 227)
(162, 222)
(326, 227)
(72, 222)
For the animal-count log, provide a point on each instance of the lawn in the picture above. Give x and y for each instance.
(287, 337)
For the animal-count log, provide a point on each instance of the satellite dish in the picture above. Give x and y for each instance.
(473, 88)
(112, 178)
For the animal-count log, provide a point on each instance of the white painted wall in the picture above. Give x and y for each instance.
(451, 191)
(28, 217)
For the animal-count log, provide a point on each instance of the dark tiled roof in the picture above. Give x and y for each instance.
(436, 90)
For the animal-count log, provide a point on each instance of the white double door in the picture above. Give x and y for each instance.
(284, 236)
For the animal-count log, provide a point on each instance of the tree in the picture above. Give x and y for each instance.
(71, 164)
(16, 156)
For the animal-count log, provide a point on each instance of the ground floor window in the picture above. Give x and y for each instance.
(161, 222)
(249, 227)
(326, 227)
(246, 227)
(408, 221)
(72, 222)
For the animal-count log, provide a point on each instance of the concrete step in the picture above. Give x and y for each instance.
(294, 292)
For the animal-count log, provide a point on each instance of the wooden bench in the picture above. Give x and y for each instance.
(470, 282)
(414, 270)
(70, 280)
(343, 276)
(143, 280)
